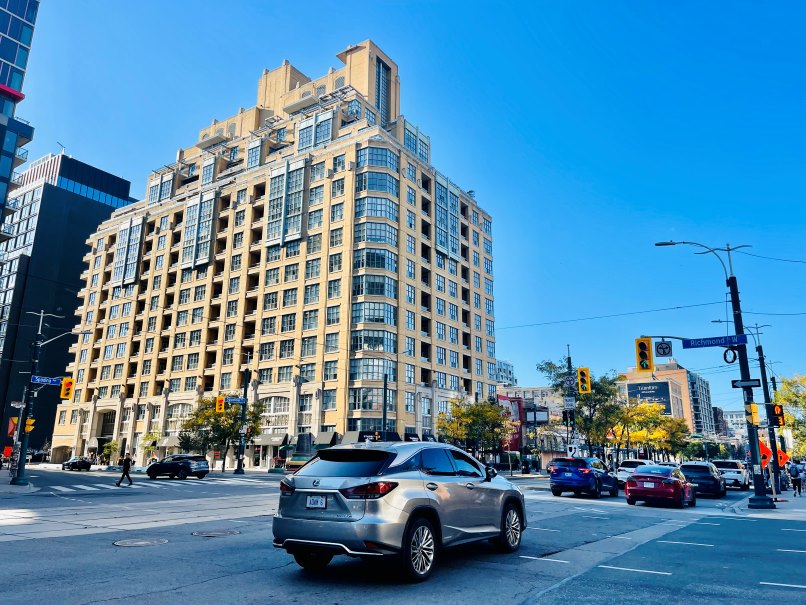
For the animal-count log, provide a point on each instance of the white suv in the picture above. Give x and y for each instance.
(734, 472)
(627, 467)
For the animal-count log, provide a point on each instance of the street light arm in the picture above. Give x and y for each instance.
(42, 344)
(708, 249)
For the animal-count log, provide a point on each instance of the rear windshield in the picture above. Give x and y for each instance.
(695, 470)
(726, 464)
(632, 464)
(346, 463)
(570, 462)
(663, 471)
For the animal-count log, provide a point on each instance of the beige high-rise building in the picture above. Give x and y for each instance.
(308, 238)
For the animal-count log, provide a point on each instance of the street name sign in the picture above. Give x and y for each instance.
(715, 341)
(569, 403)
(235, 400)
(45, 380)
(753, 382)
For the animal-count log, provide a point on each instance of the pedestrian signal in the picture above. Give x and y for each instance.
(643, 355)
(572, 420)
(219, 404)
(29, 424)
(565, 417)
(775, 414)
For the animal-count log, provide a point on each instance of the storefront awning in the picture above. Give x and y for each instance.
(411, 437)
(290, 446)
(326, 439)
(271, 439)
(92, 443)
(351, 437)
(172, 441)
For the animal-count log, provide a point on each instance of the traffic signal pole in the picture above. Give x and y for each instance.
(776, 469)
(247, 375)
(21, 478)
(759, 499)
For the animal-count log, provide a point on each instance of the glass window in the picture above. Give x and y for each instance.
(435, 462)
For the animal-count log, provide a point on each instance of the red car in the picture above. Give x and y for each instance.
(659, 484)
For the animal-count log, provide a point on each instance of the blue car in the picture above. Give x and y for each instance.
(580, 475)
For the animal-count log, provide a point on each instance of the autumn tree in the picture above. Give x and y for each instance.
(480, 425)
(791, 394)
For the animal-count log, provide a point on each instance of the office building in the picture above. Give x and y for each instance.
(720, 425)
(59, 202)
(308, 238)
(506, 373)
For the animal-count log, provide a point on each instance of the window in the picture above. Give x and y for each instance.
(272, 276)
(337, 188)
(314, 243)
(314, 219)
(410, 320)
(311, 294)
(435, 462)
(286, 349)
(331, 342)
(253, 156)
(317, 171)
(229, 332)
(234, 285)
(329, 399)
(312, 268)
(269, 301)
(377, 181)
(307, 373)
(410, 244)
(291, 273)
(193, 361)
(409, 373)
(207, 174)
(336, 212)
(179, 340)
(288, 322)
(308, 347)
(198, 293)
(376, 232)
(409, 403)
(235, 262)
(336, 237)
(333, 289)
(177, 363)
(266, 351)
(290, 297)
(198, 315)
(377, 156)
(334, 263)
(310, 319)
(408, 348)
(332, 316)
(372, 312)
(316, 195)
(411, 172)
(226, 380)
(331, 370)
(227, 356)
(268, 325)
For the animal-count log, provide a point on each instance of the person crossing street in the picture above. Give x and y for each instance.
(796, 471)
(127, 465)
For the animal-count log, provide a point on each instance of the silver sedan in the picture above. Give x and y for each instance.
(398, 499)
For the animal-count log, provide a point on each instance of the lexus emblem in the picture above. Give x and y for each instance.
(316, 482)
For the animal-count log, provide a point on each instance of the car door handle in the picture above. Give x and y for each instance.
(470, 486)
(431, 486)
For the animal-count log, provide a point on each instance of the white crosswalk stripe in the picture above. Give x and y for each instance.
(85, 487)
(167, 484)
(61, 488)
(104, 486)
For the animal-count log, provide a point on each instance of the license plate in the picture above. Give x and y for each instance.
(316, 502)
(566, 474)
(648, 484)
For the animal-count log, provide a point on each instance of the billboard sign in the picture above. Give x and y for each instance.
(652, 392)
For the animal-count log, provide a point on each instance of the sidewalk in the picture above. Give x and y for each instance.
(527, 481)
(788, 506)
(6, 489)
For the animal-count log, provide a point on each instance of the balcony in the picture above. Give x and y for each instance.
(16, 181)
(10, 207)
(6, 232)
(20, 156)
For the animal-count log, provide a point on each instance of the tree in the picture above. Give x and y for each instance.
(479, 425)
(674, 434)
(110, 450)
(148, 440)
(792, 395)
(453, 426)
(207, 428)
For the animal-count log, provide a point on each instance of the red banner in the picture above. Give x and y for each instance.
(7, 451)
(12, 426)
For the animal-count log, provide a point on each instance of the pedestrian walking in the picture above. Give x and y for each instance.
(127, 465)
(796, 474)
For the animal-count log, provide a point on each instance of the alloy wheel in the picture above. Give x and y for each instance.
(422, 550)
(513, 528)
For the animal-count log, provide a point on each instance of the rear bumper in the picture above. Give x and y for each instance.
(578, 484)
(341, 537)
(643, 493)
(708, 489)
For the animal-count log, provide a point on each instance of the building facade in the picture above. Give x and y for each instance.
(737, 424)
(17, 19)
(688, 395)
(59, 201)
(309, 239)
(506, 373)
(720, 425)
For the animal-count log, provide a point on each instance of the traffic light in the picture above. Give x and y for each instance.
(643, 355)
(751, 413)
(67, 388)
(219, 404)
(565, 417)
(572, 420)
(775, 414)
(29, 424)
(584, 380)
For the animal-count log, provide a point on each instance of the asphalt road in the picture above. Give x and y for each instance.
(576, 550)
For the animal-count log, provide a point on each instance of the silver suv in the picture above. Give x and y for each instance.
(398, 499)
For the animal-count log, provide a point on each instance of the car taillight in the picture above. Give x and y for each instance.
(550, 468)
(668, 482)
(631, 481)
(368, 491)
(286, 489)
(584, 471)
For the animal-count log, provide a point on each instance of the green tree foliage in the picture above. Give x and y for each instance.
(479, 425)
(148, 440)
(792, 395)
(205, 428)
(110, 450)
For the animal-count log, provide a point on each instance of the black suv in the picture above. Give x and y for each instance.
(179, 465)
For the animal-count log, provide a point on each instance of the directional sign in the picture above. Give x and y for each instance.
(753, 382)
(766, 453)
(715, 341)
(569, 403)
(782, 458)
(235, 400)
(663, 349)
(46, 380)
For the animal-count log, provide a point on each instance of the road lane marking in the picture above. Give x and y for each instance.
(593, 517)
(790, 550)
(783, 585)
(85, 487)
(621, 537)
(542, 529)
(62, 489)
(104, 486)
(788, 529)
(544, 559)
(683, 543)
(659, 573)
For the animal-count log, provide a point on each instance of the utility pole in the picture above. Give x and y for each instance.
(383, 405)
(776, 470)
(247, 375)
(573, 393)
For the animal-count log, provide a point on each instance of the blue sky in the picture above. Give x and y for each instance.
(589, 130)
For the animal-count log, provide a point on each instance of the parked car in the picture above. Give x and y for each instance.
(670, 464)
(734, 472)
(627, 467)
(76, 463)
(180, 466)
(297, 460)
(705, 478)
(656, 483)
(399, 499)
(581, 475)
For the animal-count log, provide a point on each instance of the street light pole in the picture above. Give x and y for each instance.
(776, 469)
(247, 375)
(759, 499)
(383, 405)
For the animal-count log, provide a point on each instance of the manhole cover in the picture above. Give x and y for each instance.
(216, 533)
(136, 542)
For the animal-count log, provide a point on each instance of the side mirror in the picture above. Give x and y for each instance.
(490, 472)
